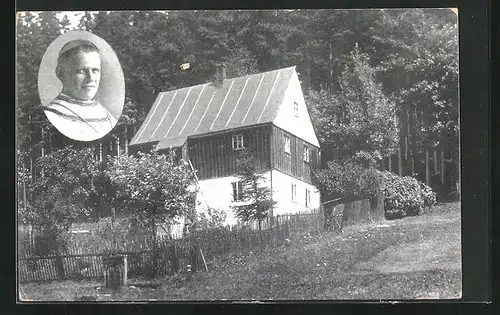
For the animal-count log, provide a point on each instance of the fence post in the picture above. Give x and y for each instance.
(174, 262)
(278, 232)
(60, 266)
(115, 271)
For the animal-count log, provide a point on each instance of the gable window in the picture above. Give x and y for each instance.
(308, 198)
(287, 144)
(296, 109)
(237, 191)
(238, 142)
(294, 192)
(306, 154)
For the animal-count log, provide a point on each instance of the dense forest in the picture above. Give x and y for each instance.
(381, 85)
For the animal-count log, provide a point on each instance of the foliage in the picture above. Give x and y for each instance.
(428, 195)
(404, 195)
(346, 178)
(370, 183)
(256, 201)
(212, 218)
(64, 192)
(152, 187)
(358, 122)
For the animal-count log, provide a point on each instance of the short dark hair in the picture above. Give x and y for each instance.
(72, 48)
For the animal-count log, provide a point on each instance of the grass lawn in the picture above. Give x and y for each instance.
(415, 257)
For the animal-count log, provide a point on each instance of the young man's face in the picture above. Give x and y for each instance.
(81, 75)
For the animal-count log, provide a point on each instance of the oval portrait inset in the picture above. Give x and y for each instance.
(81, 86)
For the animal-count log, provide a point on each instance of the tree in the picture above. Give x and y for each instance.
(256, 197)
(421, 73)
(153, 187)
(64, 192)
(358, 122)
(348, 179)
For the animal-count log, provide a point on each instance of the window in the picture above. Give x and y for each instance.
(296, 109)
(238, 142)
(306, 153)
(287, 144)
(308, 198)
(294, 192)
(237, 191)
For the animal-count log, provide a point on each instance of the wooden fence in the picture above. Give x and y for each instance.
(168, 257)
(84, 258)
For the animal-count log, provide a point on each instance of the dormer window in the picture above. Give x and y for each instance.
(287, 144)
(238, 142)
(296, 109)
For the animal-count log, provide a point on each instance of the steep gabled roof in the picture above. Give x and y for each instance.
(205, 108)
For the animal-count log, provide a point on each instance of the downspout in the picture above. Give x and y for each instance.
(271, 149)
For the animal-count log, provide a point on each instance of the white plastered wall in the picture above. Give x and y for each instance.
(282, 194)
(217, 193)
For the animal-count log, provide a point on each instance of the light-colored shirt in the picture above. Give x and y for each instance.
(79, 120)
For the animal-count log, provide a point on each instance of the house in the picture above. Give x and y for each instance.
(209, 123)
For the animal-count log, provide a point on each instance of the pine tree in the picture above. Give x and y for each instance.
(256, 201)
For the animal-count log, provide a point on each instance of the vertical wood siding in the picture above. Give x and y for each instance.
(213, 156)
(292, 164)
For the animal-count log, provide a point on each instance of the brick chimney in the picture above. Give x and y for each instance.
(220, 75)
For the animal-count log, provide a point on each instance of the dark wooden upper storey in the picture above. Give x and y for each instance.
(215, 156)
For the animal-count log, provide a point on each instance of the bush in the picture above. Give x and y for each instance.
(428, 195)
(347, 178)
(212, 218)
(405, 196)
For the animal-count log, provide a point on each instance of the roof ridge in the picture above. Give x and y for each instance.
(227, 79)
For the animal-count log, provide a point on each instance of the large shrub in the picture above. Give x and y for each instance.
(405, 196)
(347, 178)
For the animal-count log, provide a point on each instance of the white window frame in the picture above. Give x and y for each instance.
(306, 154)
(294, 192)
(288, 143)
(296, 109)
(237, 191)
(237, 142)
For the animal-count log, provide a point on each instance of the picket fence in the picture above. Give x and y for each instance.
(169, 256)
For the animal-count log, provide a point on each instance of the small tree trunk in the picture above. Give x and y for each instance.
(427, 175)
(155, 250)
(126, 143)
(400, 163)
(260, 233)
(435, 161)
(118, 148)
